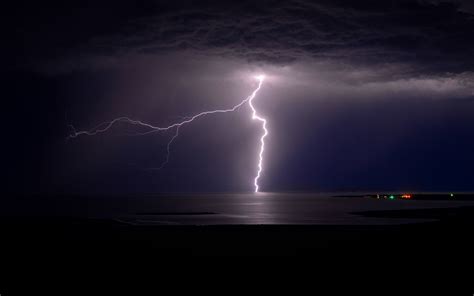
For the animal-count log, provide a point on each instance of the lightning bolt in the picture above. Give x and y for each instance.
(105, 126)
(255, 116)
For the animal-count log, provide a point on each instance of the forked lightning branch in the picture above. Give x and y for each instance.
(105, 126)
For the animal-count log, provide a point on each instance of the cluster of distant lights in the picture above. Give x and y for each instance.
(405, 196)
(392, 197)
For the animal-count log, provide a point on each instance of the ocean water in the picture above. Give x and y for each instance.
(221, 209)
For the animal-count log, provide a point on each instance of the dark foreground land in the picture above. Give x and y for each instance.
(442, 244)
(450, 237)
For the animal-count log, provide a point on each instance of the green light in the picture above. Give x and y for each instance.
(452, 195)
(391, 197)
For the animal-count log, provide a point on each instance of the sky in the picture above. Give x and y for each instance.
(359, 95)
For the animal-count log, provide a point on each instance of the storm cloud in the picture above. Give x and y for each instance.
(432, 36)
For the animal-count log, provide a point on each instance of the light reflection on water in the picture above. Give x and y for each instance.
(217, 209)
(278, 208)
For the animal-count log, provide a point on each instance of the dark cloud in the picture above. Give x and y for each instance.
(466, 6)
(434, 36)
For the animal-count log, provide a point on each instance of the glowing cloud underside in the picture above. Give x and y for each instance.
(105, 126)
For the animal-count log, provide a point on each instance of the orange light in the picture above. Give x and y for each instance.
(406, 196)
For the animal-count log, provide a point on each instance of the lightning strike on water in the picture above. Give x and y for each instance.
(105, 126)
(255, 116)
